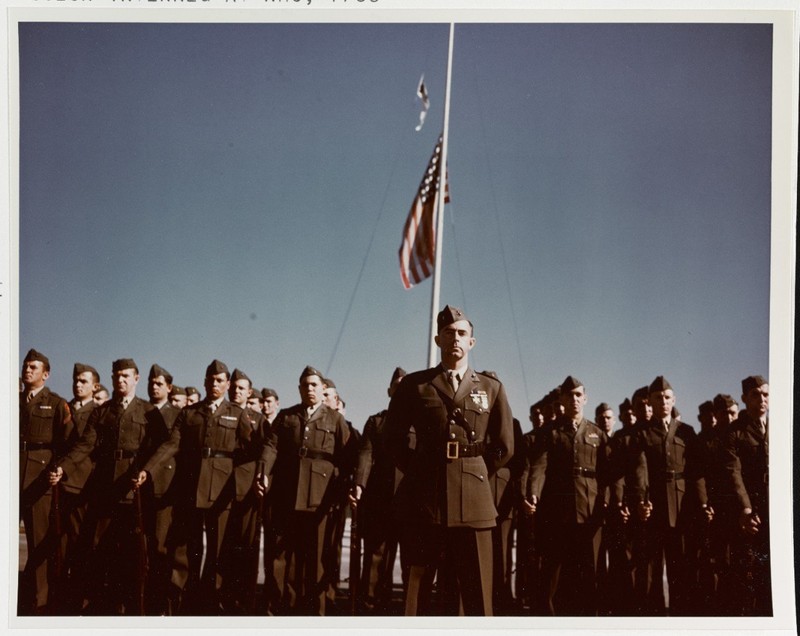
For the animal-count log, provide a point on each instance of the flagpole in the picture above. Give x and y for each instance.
(439, 211)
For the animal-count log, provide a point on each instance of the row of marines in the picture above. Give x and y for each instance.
(116, 499)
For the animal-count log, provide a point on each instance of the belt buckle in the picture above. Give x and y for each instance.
(206, 452)
(452, 450)
(302, 451)
(118, 454)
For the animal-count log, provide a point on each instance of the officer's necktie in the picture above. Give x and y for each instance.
(30, 397)
(454, 380)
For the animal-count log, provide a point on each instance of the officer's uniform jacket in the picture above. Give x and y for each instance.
(461, 440)
(570, 471)
(80, 474)
(163, 474)
(204, 445)
(247, 457)
(670, 459)
(119, 442)
(376, 472)
(505, 482)
(303, 454)
(746, 457)
(45, 430)
(713, 484)
(624, 464)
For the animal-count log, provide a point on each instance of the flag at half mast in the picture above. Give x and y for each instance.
(418, 249)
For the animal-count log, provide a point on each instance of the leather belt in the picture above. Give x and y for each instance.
(124, 454)
(207, 453)
(672, 475)
(313, 454)
(454, 450)
(24, 447)
(580, 471)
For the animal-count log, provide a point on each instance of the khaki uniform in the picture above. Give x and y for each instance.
(445, 504)
(204, 445)
(746, 457)
(303, 456)
(45, 430)
(568, 477)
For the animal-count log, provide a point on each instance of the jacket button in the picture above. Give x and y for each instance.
(452, 435)
(480, 477)
(308, 429)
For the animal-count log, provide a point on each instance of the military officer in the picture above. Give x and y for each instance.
(177, 396)
(204, 441)
(46, 428)
(666, 466)
(242, 536)
(464, 434)
(747, 464)
(159, 390)
(604, 418)
(568, 476)
(75, 501)
(377, 479)
(272, 404)
(120, 435)
(310, 439)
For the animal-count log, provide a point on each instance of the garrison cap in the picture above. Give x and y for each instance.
(35, 356)
(723, 401)
(308, 371)
(707, 407)
(265, 393)
(79, 368)
(602, 408)
(99, 389)
(329, 383)
(626, 405)
(190, 390)
(570, 383)
(448, 316)
(177, 390)
(217, 367)
(124, 363)
(642, 393)
(156, 371)
(238, 374)
(660, 384)
(552, 396)
(398, 374)
(748, 384)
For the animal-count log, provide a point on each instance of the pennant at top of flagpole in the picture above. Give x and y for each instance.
(422, 94)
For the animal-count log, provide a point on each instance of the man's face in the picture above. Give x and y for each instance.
(728, 415)
(240, 392)
(254, 403)
(330, 398)
(100, 397)
(83, 386)
(311, 388)
(606, 421)
(642, 409)
(573, 402)
(33, 374)
(271, 406)
(536, 417)
(756, 401)
(217, 386)
(455, 341)
(194, 398)
(707, 420)
(627, 417)
(179, 400)
(662, 402)
(125, 381)
(158, 389)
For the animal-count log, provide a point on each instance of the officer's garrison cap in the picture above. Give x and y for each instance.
(36, 356)
(156, 371)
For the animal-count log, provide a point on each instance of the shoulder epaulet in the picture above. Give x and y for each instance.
(489, 374)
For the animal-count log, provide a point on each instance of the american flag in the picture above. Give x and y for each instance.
(418, 249)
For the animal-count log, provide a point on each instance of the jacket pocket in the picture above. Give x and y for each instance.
(476, 494)
(319, 477)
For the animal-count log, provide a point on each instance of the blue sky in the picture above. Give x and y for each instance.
(200, 191)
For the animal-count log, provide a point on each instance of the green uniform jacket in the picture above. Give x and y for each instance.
(461, 440)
